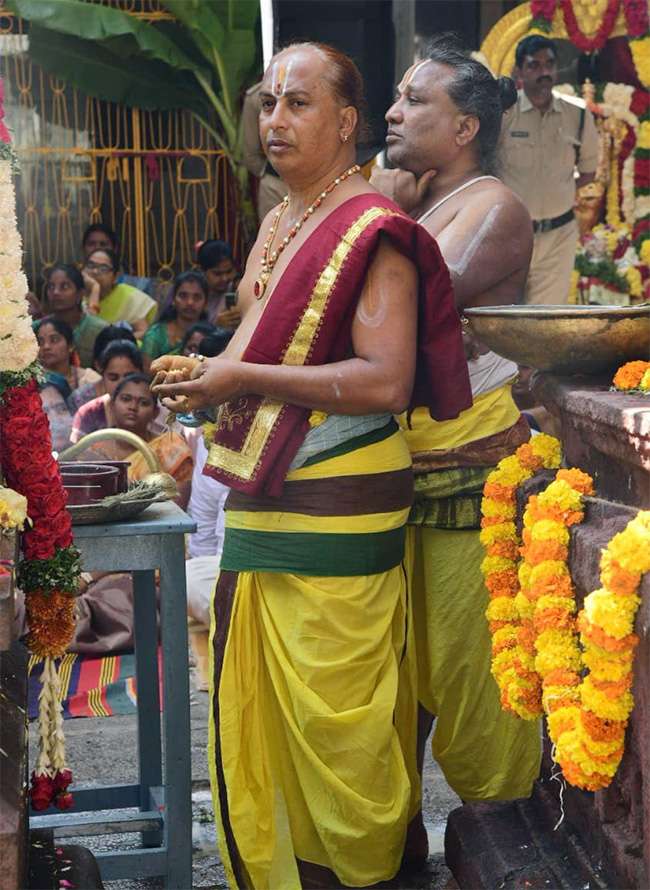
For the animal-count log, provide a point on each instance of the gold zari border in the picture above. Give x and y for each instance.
(244, 463)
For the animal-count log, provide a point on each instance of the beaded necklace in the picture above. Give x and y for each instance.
(267, 262)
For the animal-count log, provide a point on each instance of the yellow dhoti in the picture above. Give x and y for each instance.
(484, 752)
(313, 673)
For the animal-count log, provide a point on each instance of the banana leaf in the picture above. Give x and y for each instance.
(140, 83)
(225, 33)
(117, 31)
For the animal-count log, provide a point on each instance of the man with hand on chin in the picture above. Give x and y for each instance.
(443, 130)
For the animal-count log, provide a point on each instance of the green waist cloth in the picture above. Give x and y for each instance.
(330, 555)
(449, 498)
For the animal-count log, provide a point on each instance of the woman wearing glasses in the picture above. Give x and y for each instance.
(117, 302)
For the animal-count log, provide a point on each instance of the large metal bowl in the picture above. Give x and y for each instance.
(565, 339)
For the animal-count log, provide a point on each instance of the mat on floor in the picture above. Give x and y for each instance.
(92, 686)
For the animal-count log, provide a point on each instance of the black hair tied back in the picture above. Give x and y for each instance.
(507, 92)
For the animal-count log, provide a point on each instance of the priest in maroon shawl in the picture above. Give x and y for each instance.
(313, 718)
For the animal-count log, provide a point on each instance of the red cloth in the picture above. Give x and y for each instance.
(351, 233)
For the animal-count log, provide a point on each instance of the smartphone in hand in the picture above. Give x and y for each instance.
(231, 299)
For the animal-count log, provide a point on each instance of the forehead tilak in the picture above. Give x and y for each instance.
(410, 74)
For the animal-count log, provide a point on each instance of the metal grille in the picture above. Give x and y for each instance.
(155, 178)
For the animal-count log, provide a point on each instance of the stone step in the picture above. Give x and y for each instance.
(511, 844)
(52, 866)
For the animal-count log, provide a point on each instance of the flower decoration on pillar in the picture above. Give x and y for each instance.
(51, 564)
(542, 12)
(578, 38)
(638, 28)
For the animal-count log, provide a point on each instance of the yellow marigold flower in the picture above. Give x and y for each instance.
(635, 281)
(493, 533)
(631, 547)
(501, 511)
(553, 568)
(557, 649)
(549, 530)
(599, 749)
(613, 671)
(524, 575)
(316, 418)
(502, 608)
(504, 637)
(595, 700)
(496, 564)
(643, 139)
(560, 720)
(549, 601)
(645, 380)
(613, 613)
(525, 607)
(573, 747)
(560, 492)
(644, 253)
(511, 472)
(548, 448)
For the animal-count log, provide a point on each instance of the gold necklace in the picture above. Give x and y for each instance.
(267, 261)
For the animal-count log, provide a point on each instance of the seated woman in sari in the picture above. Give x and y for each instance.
(89, 391)
(119, 358)
(63, 376)
(186, 307)
(118, 301)
(65, 292)
(133, 407)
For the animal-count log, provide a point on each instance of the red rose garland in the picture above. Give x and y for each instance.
(48, 573)
(581, 41)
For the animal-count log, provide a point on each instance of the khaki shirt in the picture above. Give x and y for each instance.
(253, 156)
(539, 153)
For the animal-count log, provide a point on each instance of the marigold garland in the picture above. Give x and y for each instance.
(589, 734)
(499, 536)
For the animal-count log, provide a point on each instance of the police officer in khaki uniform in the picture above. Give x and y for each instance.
(272, 189)
(546, 137)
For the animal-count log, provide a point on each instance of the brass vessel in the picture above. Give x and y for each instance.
(565, 339)
(157, 477)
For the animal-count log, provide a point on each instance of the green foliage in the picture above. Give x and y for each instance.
(58, 573)
(201, 60)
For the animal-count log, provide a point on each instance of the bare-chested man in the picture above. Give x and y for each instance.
(314, 781)
(443, 131)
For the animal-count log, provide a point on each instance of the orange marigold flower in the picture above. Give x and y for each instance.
(541, 551)
(578, 480)
(553, 617)
(561, 677)
(630, 375)
(498, 492)
(597, 635)
(615, 578)
(528, 458)
(504, 583)
(51, 622)
(600, 729)
(506, 549)
(612, 688)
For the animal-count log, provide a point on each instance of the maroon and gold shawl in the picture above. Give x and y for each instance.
(308, 321)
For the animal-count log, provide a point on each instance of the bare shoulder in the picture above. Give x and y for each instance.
(506, 210)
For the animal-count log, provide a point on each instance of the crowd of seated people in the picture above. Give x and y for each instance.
(98, 331)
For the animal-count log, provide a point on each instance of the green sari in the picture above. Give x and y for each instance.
(126, 303)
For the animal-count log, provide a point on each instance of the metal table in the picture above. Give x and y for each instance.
(153, 541)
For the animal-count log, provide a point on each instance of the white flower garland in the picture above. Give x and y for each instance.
(19, 346)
